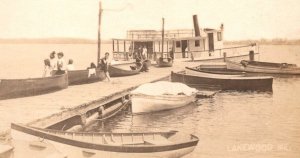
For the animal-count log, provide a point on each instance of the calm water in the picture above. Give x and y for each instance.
(231, 124)
(234, 124)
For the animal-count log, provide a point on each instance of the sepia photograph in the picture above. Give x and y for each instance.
(149, 78)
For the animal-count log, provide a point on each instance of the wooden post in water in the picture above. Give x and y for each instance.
(224, 56)
(162, 37)
(251, 55)
(99, 33)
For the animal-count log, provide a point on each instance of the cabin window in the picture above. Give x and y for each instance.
(219, 36)
(197, 43)
(177, 44)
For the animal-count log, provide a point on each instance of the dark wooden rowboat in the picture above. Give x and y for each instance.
(116, 145)
(164, 62)
(224, 82)
(118, 71)
(85, 76)
(15, 88)
(264, 67)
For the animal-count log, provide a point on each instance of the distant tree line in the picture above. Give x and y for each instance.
(52, 41)
(275, 41)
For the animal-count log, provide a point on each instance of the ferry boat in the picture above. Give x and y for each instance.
(198, 44)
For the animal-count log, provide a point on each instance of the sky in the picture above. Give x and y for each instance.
(243, 19)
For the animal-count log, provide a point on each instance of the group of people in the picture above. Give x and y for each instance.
(56, 66)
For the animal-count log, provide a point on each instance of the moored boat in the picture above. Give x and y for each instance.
(114, 145)
(147, 103)
(223, 82)
(216, 72)
(15, 88)
(264, 67)
(216, 69)
(164, 62)
(85, 76)
(152, 97)
(119, 70)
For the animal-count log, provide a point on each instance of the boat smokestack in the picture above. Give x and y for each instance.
(196, 25)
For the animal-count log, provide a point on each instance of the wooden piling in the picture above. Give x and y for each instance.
(224, 56)
(251, 55)
(162, 37)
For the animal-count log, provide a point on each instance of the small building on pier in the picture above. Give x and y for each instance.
(182, 42)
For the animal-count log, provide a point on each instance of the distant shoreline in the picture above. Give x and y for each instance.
(52, 41)
(265, 42)
(91, 41)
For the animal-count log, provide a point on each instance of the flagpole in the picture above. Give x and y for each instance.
(99, 33)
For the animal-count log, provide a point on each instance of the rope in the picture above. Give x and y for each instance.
(121, 108)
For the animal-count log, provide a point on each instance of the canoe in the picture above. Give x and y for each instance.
(170, 144)
(164, 62)
(141, 103)
(85, 76)
(15, 88)
(117, 71)
(264, 67)
(224, 82)
(222, 72)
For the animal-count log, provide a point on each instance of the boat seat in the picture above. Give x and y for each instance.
(112, 142)
(38, 144)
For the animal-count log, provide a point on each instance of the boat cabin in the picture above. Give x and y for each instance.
(182, 42)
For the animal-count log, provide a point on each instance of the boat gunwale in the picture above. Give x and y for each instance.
(237, 74)
(36, 78)
(283, 71)
(227, 77)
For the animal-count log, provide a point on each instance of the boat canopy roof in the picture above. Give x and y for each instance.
(158, 39)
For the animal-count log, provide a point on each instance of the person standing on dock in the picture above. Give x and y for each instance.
(61, 64)
(138, 57)
(171, 53)
(105, 65)
(144, 53)
(53, 63)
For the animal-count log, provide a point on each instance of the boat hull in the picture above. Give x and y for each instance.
(15, 88)
(224, 82)
(82, 76)
(164, 62)
(118, 72)
(59, 143)
(263, 69)
(147, 104)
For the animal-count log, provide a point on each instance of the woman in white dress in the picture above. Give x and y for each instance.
(47, 68)
(61, 64)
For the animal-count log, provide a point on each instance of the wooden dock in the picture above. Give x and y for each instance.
(29, 109)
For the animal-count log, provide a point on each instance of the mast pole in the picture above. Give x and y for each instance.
(99, 32)
(162, 36)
